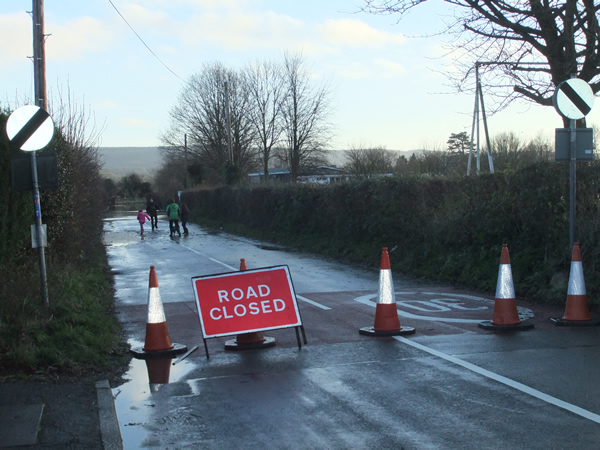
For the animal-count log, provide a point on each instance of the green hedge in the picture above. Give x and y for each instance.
(450, 230)
(79, 333)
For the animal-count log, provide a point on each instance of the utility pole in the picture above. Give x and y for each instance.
(228, 122)
(479, 101)
(185, 149)
(41, 100)
(39, 55)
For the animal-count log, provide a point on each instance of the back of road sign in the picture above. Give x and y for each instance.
(47, 170)
(584, 144)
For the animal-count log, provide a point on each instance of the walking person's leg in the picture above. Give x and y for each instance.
(184, 225)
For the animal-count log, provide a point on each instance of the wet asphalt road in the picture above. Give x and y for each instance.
(450, 385)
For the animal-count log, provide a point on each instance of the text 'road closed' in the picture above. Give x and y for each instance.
(240, 302)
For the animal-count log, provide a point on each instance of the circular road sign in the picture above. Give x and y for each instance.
(573, 98)
(30, 128)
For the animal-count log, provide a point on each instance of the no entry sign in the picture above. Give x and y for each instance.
(247, 301)
(30, 128)
(573, 98)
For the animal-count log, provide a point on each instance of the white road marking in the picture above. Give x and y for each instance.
(304, 299)
(318, 305)
(434, 305)
(506, 381)
(208, 257)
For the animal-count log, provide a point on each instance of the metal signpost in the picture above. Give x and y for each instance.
(573, 99)
(31, 128)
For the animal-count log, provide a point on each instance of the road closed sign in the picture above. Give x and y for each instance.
(246, 301)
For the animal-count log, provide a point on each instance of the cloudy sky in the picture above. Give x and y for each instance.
(387, 85)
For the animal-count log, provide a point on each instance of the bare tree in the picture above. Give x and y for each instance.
(531, 46)
(508, 152)
(305, 111)
(366, 162)
(201, 115)
(265, 87)
(540, 148)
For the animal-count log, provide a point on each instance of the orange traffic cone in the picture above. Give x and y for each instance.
(387, 322)
(158, 343)
(253, 340)
(506, 316)
(576, 310)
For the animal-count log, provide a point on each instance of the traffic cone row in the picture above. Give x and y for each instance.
(253, 340)
(387, 322)
(158, 342)
(576, 310)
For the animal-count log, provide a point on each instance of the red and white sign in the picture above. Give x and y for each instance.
(246, 301)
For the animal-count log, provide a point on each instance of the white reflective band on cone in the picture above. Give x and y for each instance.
(156, 313)
(386, 287)
(505, 288)
(576, 283)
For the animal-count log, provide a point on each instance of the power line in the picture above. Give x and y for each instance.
(142, 41)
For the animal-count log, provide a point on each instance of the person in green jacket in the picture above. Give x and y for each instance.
(173, 215)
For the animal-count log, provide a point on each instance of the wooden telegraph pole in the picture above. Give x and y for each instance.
(39, 55)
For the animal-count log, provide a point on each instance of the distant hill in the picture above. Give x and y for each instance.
(120, 161)
(144, 161)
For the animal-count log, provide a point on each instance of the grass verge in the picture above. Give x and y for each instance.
(77, 336)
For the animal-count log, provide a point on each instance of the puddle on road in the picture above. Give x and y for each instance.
(137, 400)
(128, 231)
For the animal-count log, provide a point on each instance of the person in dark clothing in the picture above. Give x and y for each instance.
(185, 214)
(152, 211)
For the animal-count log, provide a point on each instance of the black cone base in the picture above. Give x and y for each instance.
(233, 345)
(140, 353)
(370, 331)
(574, 323)
(488, 325)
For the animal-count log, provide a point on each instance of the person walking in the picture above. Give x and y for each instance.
(185, 214)
(142, 217)
(152, 211)
(173, 215)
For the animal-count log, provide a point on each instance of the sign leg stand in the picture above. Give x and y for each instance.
(206, 349)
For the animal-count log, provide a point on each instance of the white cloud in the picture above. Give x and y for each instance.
(354, 33)
(133, 122)
(390, 68)
(106, 104)
(239, 31)
(15, 37)
(137, 15)
(74, 40)
(354, 70)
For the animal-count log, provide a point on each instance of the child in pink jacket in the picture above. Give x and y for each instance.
(141, 217)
